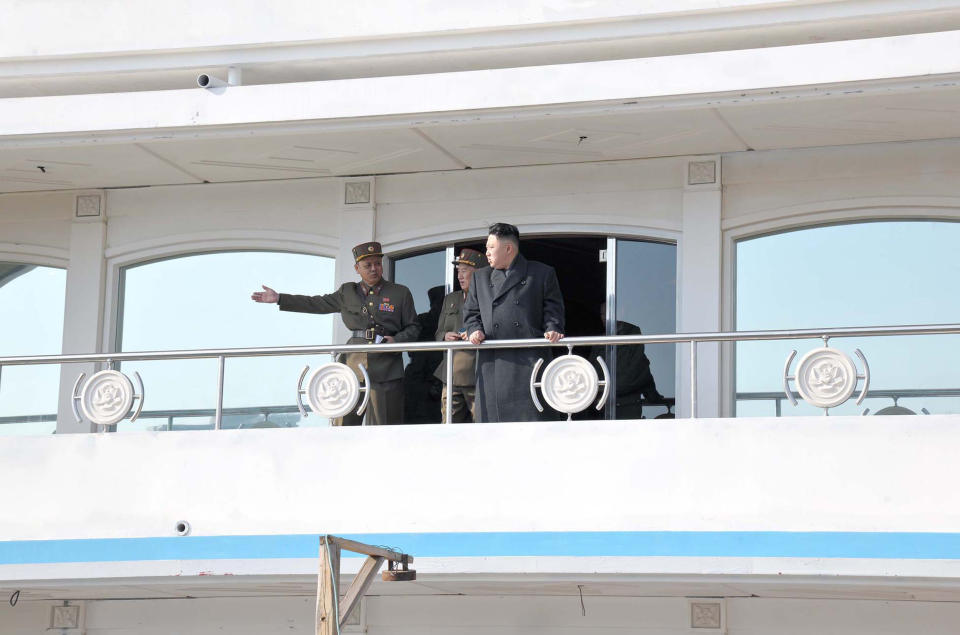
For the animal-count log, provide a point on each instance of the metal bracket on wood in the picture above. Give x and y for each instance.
(331, 613)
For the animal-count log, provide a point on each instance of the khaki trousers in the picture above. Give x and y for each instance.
(463, 401)
(385, 406)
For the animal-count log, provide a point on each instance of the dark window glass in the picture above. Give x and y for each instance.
(647, 303)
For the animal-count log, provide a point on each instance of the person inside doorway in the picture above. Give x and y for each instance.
(451, 329)
(635, 382)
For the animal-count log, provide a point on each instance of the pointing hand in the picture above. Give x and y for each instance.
(267, 296)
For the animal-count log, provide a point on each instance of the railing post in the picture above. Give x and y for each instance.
(693, 379)
(218, 418)
(448, 407)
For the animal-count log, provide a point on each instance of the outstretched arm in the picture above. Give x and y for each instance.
(328, 303)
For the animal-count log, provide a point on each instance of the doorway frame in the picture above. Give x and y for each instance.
(612, 233)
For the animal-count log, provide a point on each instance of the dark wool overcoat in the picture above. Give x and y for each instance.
(527, 305)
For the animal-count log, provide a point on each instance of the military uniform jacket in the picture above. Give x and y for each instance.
(528, 304)
(392, 308)
(464, 362)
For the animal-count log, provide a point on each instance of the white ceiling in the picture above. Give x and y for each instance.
(265, 154)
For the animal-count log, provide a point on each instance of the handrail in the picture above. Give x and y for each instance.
(902, 393)
(604, 340)
(693, 339)
(906, 393)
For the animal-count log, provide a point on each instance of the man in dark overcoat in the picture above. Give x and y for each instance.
(450, 329)
(512, 299)
(375, 310)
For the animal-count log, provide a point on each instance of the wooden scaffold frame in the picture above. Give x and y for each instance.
(332, 613)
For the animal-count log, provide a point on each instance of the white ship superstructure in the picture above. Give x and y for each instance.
(768, 191)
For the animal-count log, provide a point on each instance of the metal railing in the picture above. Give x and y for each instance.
(895, 395)
(693, 339)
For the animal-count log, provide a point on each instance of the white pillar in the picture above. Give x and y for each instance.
(358, 220)
(699, 278)
(83, 306)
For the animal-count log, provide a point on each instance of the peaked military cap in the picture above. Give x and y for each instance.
(366, 250)
(470, 257)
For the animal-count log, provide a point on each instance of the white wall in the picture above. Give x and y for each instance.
(794, 186)
(436, 615)
(802, 474)
(36, 227)
(143, 220)
(618, 197)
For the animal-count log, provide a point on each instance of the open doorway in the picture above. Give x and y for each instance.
(646, 299)
(582, 277)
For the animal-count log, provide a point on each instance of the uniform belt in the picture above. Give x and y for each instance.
(369, 334)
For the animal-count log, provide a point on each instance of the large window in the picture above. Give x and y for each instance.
(203, 301)
(31, 315)
(861, 274)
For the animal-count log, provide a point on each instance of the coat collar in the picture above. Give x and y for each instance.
(516, 274)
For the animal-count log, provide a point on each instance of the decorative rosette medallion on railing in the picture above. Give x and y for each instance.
(332, 390)
(569, 384)
(107, 397)
(826, 377)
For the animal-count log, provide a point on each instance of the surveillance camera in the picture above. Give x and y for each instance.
(234, 78)
(209, 81)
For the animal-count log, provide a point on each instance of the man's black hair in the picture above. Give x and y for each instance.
(505, 230)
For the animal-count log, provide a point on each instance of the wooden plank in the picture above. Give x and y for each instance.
(359, 586)
(328, 583)
(370, 550)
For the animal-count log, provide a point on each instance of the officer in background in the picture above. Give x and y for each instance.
(450, 329)
(375, 310)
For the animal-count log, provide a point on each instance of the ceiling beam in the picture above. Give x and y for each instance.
(421, 100)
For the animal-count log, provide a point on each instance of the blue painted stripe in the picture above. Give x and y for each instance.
(425, 545)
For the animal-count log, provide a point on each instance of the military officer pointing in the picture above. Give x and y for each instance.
(450, 329)
(375, 310)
